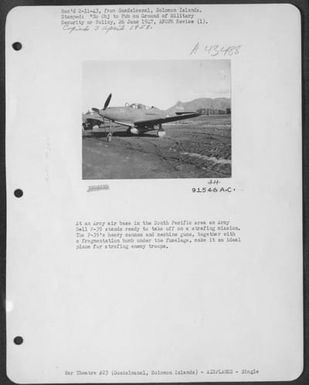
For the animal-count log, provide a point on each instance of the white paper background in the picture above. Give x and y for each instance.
(228, 307)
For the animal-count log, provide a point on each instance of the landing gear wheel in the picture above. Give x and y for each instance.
(160, 133)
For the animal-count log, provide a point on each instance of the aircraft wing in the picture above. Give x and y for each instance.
(126, 124)
(174, 118)
(183, 113)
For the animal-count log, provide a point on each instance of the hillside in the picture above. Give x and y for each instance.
(194, 105)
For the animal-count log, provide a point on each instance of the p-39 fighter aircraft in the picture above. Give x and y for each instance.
(138, 118)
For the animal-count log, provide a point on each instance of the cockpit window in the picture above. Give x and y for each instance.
(138, 106)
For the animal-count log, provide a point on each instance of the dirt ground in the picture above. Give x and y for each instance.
(197, 148)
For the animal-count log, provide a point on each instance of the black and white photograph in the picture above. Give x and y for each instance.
(156, 119)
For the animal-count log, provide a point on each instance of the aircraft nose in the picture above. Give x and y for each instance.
(108, 113)
(105, 113)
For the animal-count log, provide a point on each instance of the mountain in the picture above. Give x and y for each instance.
(196, 104)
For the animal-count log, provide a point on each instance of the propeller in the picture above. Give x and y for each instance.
(97, 110)
(107, 101)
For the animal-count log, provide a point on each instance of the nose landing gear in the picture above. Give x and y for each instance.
(109, 134)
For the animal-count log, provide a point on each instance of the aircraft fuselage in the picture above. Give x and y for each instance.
(131, 115)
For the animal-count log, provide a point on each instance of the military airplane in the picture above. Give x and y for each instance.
(137, 117)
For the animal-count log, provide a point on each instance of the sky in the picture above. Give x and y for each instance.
(160, 83)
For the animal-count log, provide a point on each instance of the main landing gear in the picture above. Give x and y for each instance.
(134, 131)
(160, 131)
(139, 131)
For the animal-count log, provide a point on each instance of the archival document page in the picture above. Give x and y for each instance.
(154, 212)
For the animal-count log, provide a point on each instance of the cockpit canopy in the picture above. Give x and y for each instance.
(138, 106)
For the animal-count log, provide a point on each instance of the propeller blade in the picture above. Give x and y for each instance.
(107, 101)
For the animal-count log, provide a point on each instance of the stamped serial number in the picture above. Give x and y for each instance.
(206, 189)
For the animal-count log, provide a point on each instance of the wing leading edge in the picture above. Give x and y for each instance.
(152, 122)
